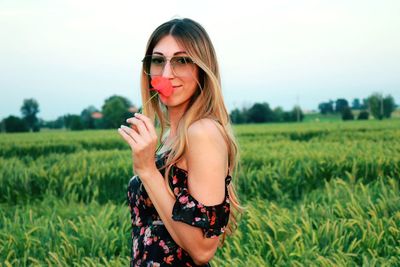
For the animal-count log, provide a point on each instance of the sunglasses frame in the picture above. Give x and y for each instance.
(166, 59)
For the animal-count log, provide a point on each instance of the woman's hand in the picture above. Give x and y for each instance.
(142, 138)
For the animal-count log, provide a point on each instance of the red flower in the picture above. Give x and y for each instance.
(162, 85)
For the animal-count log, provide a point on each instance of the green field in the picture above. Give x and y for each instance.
(318, 194)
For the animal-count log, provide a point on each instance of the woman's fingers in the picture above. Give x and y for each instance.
(131, 134)
(127, 138)
(140, 126)
(149, 125)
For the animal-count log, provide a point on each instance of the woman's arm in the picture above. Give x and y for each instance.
(207, 165)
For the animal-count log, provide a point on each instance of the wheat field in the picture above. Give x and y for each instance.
(317, 194)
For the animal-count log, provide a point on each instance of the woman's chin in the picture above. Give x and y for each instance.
(164, 99)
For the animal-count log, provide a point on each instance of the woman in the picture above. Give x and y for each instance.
(181, 197)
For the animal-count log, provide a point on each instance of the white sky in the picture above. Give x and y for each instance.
(72, 54)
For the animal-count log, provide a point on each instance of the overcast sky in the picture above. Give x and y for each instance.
(72, 54)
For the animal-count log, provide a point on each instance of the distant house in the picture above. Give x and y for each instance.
(133, 109)
(97, 115)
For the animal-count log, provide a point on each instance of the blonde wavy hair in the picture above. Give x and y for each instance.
(206, 102)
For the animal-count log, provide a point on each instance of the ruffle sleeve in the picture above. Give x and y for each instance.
(211, 219)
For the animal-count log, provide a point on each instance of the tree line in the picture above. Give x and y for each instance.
(261, 112)
(114, 112)
(376, 104)
(116, 109)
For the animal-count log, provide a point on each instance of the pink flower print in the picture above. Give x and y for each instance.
(169, 259)
(148, 202)
(149, 241)
(136, 210)
(174, 179)
(226, 208)
(176, 190)
(147, 237)
(197, 219)
(213, 217)
(164, 246)
(138, 221)
(179, 253)
(190, 204)
(135, 248)
(183, 199)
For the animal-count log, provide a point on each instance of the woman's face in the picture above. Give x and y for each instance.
(184, 85)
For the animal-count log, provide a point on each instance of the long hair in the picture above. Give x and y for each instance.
(206, 102)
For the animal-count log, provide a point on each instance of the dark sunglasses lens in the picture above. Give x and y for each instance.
(157, 60)
(181, 60)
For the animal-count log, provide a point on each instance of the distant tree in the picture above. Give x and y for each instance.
(326, 107)
(237, 116)
(356, 104)
(375, 105)
(347, 114)
(288, 116)
(278, 114)
(260, 112)
(365, 104)
(29, 109)
(379, 106)
(13, 124)
(68, 118)
(363, 115)
(115, 111)
(54, 124)
(297, 114)
(86, 117)
(99, 124)
(58, 123)
(341, 104)
(76, 123)
(388, 106)
(73, 122)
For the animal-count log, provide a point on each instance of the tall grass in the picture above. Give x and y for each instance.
(318, 194)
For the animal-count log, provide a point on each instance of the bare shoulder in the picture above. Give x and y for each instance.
(207, 161)
(206, 130)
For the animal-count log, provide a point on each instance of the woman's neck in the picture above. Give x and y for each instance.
(175, 114)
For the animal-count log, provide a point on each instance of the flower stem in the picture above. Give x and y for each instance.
(140, 110)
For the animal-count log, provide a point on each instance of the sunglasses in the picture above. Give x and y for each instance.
(154, 65)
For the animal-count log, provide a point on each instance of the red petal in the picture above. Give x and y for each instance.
(162, 85)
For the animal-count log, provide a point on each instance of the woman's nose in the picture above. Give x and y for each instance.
(167, 71)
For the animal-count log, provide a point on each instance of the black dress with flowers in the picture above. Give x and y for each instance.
(152, 244)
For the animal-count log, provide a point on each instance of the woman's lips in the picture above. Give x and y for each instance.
(177, 86)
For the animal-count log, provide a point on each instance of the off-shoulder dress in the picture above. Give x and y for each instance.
(152, 244)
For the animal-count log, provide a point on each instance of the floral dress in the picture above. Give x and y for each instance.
(152, 244)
